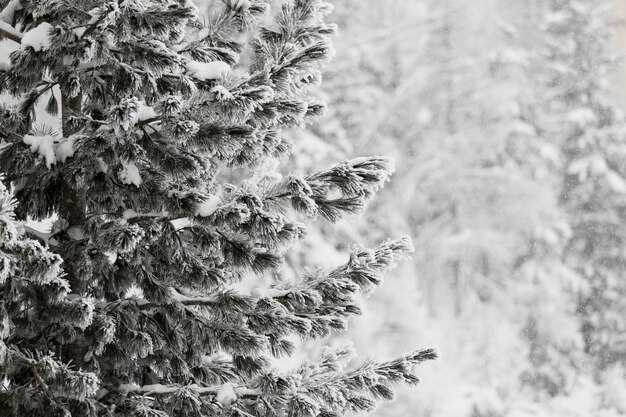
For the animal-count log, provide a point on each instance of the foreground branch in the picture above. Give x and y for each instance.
(9, 32)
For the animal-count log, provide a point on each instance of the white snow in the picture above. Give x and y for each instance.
(588, 165)
(95, 15)
(181, 223)
(44, 145)
(76, 233)
(176, 296)
(268, 292)
(209, 206)
(88, 305)
(79, 31)
(5, 64)
(550, 153)
(128, 388)
(514, 56)
(43, 236)
(64, 149)
(362, 160)
(226, 395)
(424, 116)
(9, 10)
(50, 148)
(42, 228)
(38, 38)
(615, 389)
(130, 174)
(241, 391)
(221, 93)
(10, 29)
(522, 128)
(111, 257)
(582, 116)
(616, 182)
(129, 214)
(158, 389)
(207, 70)
(145, 112)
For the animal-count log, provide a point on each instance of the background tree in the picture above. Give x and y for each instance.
(584, 117)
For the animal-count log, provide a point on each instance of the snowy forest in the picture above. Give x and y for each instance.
(309, 208)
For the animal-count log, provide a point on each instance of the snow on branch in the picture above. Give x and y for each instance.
(222, 298)
(207, 70)
(55, 378)
(9, 32)
(6, 17)
(50, 148)
(224, 394)
(9, 10)
(358, 176)
(38, 38)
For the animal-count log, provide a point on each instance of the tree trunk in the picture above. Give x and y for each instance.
(73, 209)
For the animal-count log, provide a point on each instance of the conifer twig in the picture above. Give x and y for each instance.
(9, 32)
(159, 390)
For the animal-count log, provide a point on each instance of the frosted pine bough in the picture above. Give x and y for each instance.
(130, 310)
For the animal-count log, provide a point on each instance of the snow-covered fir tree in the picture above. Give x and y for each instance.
(129, 306)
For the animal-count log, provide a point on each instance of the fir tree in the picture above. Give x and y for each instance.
(130, 310)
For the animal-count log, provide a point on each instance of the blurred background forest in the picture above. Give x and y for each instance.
(506, 122)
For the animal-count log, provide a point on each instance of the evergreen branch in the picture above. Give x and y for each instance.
(397, 370)
(159, 390)
(363, 271)
(140, 218)
(211, 300)
(205, 301)
(40, 381)
(357, 389)
(32, 365)
(145, 122)
(9, 32)
(187, 301)
(314, 301)
(92, 28)
(31, 99)
(10, 136)
(355, 181)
